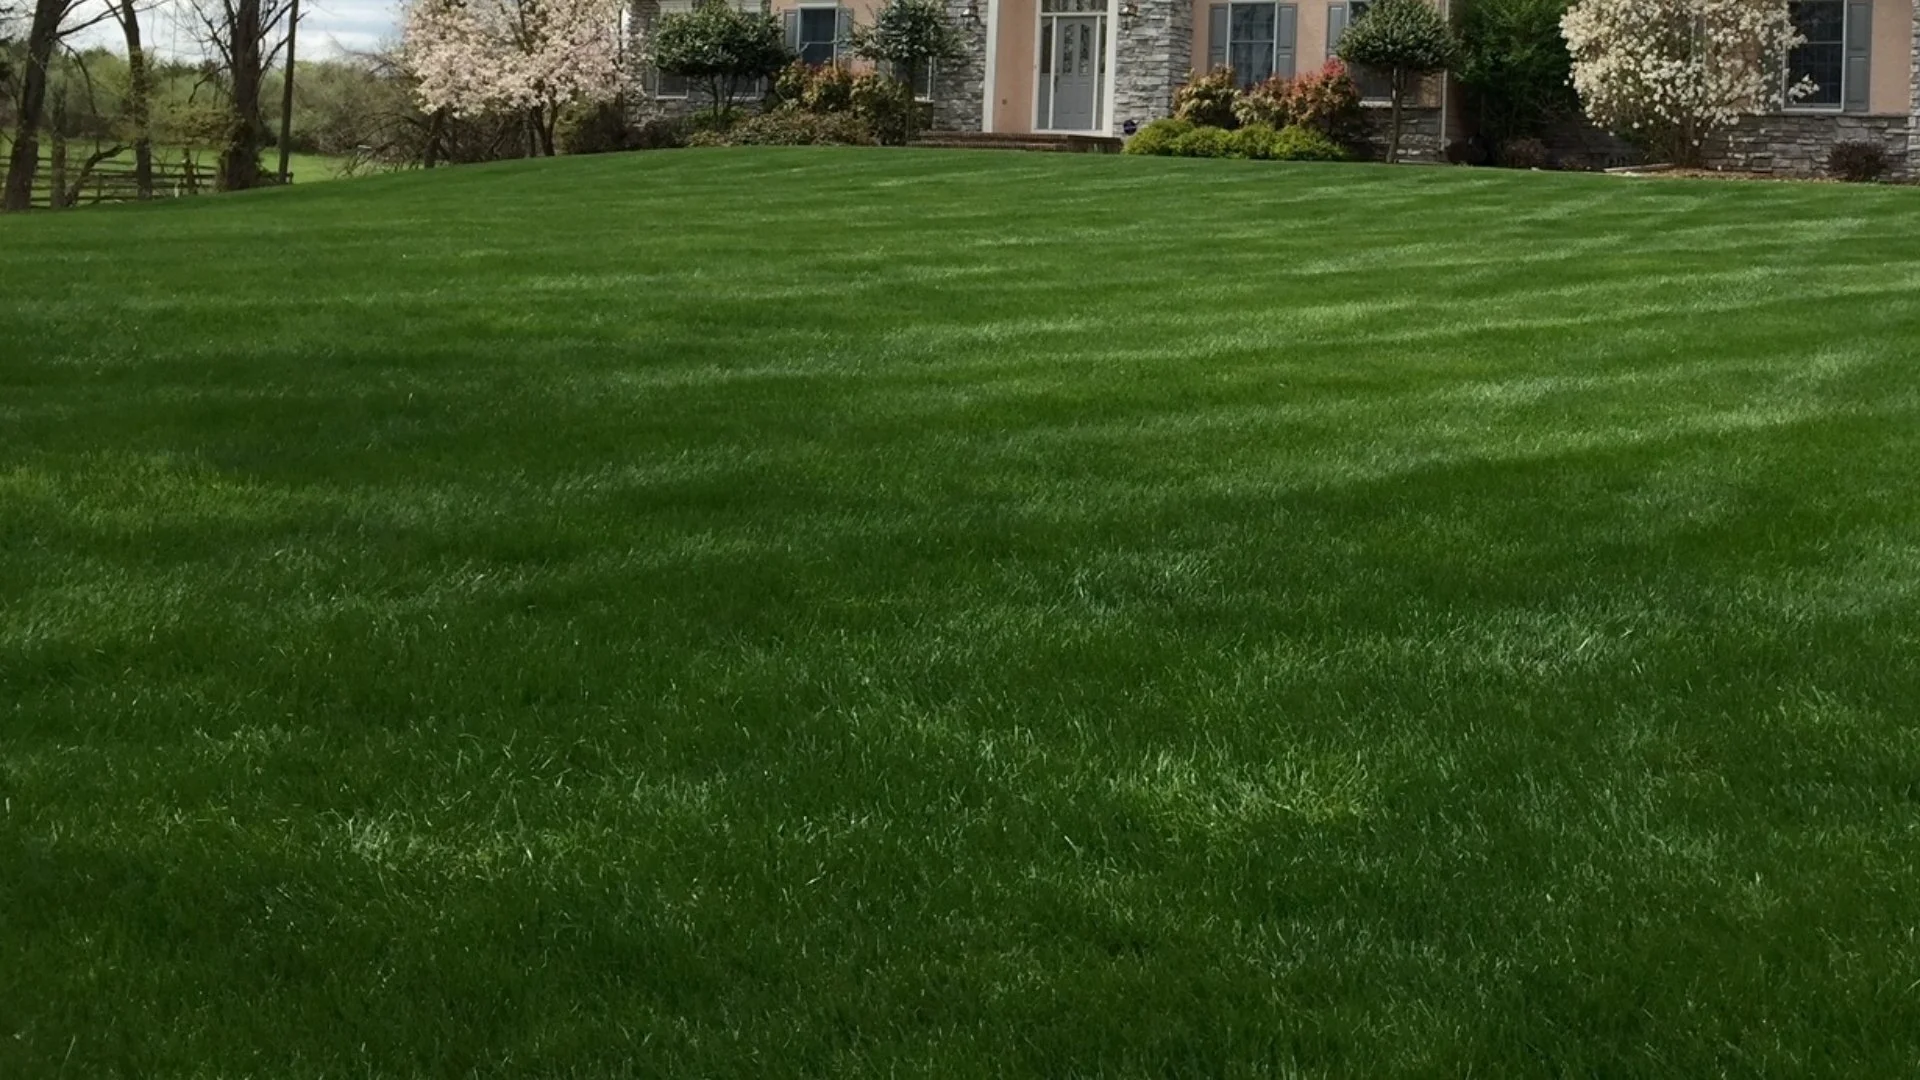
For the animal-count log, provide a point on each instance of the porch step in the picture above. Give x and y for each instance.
(997, 140)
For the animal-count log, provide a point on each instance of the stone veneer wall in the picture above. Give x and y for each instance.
(1913, 112)
(960, 86)
(1419, 133)
(1796, 144)
(1151, 61)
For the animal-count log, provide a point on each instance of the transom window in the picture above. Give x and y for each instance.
(1822, 59)
(1073, 7)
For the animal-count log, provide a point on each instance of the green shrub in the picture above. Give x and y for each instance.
(1158, 137)
(599, 128)
(660, 133)
(1253, 141)
(887, 106)
(1301, 143)
(1525, 153)
(1405, 39)
(1858, 162)
(1207, 100)
(797, 127)
(1515, 67)
(790, 125)
(1204, 142)
(721, 48)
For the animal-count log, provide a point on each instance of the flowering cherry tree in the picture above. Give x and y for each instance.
(531, 57)
(1672, 72)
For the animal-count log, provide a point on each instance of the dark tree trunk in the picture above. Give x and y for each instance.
(25, 162)
(435, 125)
(1399, 83)
(286, 99)
(240, 159)
(139, 99)
(546, 119)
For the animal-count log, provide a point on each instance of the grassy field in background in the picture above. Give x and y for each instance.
(779, 612)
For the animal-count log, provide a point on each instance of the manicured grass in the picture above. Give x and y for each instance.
(747, 613)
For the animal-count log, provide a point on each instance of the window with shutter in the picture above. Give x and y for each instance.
(1255, 39)
(818, 37)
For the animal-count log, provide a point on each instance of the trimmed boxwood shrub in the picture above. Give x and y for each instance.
(1301, 143)
(1206, 142)
(1258, 142)
(1157, 138)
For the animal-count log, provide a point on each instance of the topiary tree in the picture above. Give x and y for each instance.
(1406, 39)
(1668, 73)
(1515, 68)
(720, 47)
(908, 36)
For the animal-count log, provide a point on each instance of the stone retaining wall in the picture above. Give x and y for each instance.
(1420, 138)
(1796, 144)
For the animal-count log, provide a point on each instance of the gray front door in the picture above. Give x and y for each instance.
(1078, 50)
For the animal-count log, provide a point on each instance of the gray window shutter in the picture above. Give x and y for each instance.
(842, 32)
(1283, 51)
(1858, 79)
(1216, 37)
(1336, 26)
(790, 22)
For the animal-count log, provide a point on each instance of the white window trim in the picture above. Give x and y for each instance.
(1787, 106)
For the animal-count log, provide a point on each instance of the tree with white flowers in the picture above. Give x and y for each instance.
(1670, 73)
(526, 57)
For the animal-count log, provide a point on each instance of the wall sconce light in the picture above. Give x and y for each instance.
(1129, 14)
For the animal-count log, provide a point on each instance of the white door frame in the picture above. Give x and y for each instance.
(1103, 108)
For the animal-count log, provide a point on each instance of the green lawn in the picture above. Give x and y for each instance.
(745, 613)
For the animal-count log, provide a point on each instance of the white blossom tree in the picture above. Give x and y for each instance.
(526, 57)
(1670, 73)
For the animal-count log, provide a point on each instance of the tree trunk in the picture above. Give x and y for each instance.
(240, 160)
(139, 100)
(550, 119)
(286, 100)
(1399, 84)
(430, 155)
(25, 161)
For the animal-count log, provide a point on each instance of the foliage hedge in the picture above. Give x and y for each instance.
(1258, 142)
(788, 125)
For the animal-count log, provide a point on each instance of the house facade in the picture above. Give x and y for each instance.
(1105, 67)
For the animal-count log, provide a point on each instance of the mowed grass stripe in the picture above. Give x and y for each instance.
(804, 611)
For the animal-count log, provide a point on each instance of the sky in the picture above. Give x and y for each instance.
(327, 28)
